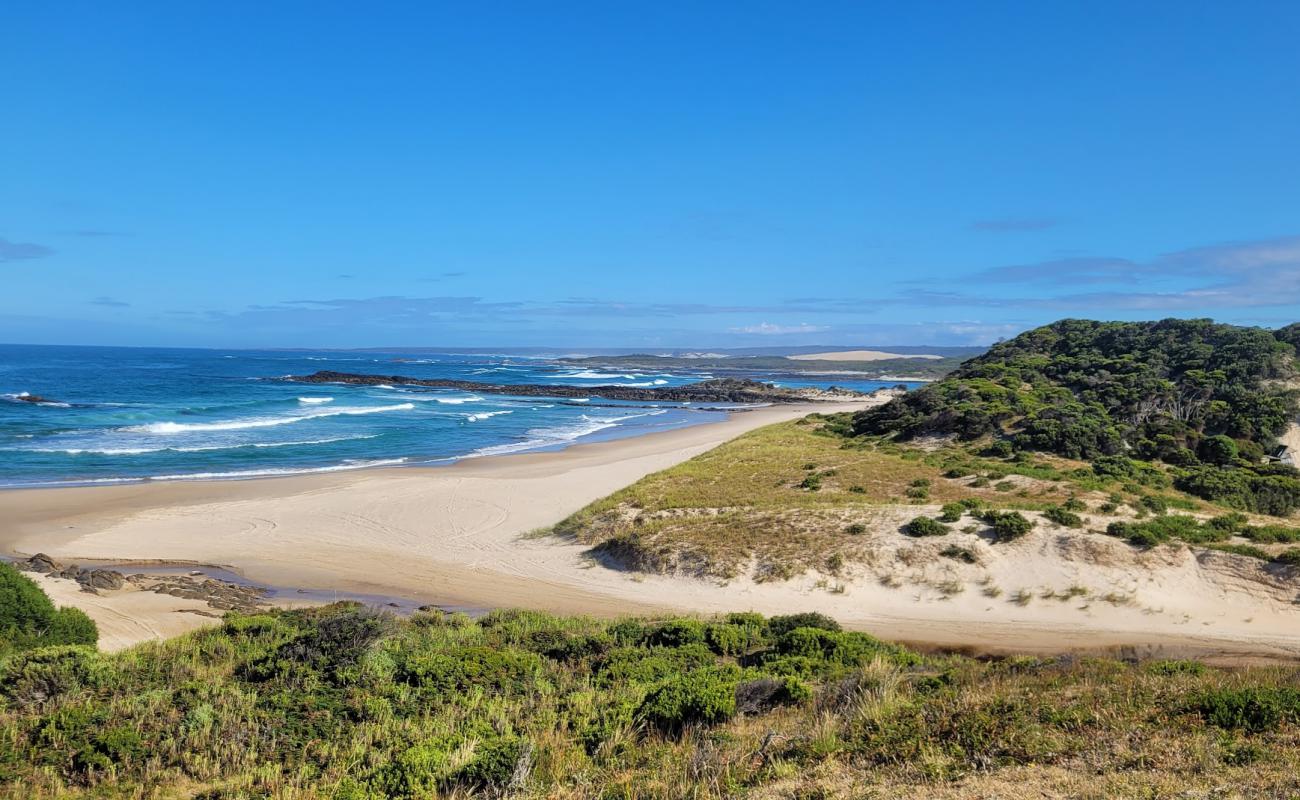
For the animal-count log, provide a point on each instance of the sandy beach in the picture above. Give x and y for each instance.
(458, 535)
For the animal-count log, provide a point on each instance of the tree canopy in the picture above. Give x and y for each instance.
(1194, 394)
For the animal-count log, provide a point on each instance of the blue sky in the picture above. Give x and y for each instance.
(627, 173)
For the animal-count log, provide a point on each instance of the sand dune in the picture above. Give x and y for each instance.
(458, 535)
(857, 355)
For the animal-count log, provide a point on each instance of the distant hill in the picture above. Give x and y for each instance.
(1206, 398)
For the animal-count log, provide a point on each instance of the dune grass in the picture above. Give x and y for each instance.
(783, 499)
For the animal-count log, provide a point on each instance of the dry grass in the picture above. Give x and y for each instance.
(775, 502)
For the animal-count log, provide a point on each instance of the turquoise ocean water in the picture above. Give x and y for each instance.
(131, 414)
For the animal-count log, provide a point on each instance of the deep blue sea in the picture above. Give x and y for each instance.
(132, 414)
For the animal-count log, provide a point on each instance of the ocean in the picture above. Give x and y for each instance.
(118, 415)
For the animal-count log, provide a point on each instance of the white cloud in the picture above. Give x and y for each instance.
(768, 329)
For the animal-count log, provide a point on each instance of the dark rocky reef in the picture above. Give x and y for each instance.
(219, 595)
(722, 390)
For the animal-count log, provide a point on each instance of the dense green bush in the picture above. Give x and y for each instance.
(1007, 525)
(1158, 530)
(1063, 517)
(1095, 391)
(702, 697)
(28, 619)
(1254, 708)
(925, 526)
(780, 625)
(952, 512)
(531, 705)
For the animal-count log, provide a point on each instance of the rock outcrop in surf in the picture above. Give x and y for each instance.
(722, 390)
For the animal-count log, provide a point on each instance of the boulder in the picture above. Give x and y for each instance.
(101, 579)
(39, 563)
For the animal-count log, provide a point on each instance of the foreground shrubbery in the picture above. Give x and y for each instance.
(344, 702)
(28, 619)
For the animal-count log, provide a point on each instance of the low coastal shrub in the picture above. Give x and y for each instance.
(527, 704)
(1256, 709)
(1158, 530)
(1062, 516)
(703, 697)
(1007, 525)
(952, 512)
(29, 620)
(925, 526)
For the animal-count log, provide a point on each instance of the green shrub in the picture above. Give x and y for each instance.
(1061, 516)
(842, 648)
(1256, 709)
(1270, 534)
(780, 625)
(47, 673)
(1155, 531)
(1156, 505)
(28, 619)
(1173, 667)
(702, 697)
(952, 512)
(856, 529)
(764, 694)
(1290, 557)
(493, 764)
(925, 526)
(1221, 450)
(730, 640)
(1241, 550)
(1007, 525)
(962, 554)
(677, 632)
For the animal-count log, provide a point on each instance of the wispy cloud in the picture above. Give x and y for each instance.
(1264, 273)
(1014, 225)
(769, 329)
(17, 251)
(1065, 270)
(109, 302)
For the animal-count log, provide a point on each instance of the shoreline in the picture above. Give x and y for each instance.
(457, 535)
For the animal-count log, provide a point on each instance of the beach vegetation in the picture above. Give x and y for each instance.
(29, 620)
(348, 702)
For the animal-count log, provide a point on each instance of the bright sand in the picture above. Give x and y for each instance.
(456, 535)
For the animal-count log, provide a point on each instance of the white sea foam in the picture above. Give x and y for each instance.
(311, 401)
(267, 473)
(19, 398)
(135, 451)
(167, 428)
(428, 397)
(589, 375)
(552, 437)
(485, 415)
(82, 482)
